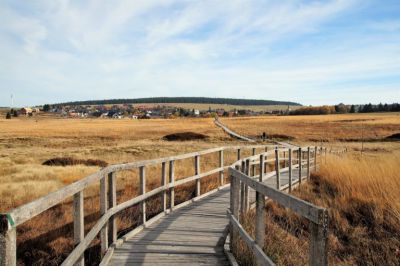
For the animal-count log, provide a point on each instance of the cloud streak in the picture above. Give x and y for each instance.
(303, 51)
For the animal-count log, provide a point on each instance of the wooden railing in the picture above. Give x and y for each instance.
(242, 178)
(106, 226)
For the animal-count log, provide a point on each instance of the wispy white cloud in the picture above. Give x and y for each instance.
(58, 50)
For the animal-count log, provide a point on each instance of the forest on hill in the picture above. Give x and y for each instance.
(204, 100)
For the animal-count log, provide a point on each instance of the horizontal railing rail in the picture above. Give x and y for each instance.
(106, 226)
(243, 176)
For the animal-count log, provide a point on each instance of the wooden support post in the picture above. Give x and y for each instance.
(103, 210)
(197, 172)
(308, 162)
(242, 189)
(290, 170)
(265, 162)
(79, 233)
(112, 202)
(238, 154)
(246, 188)
(221, 164)
(164, 183)
(253, 167)
(315, 158)
(300, 164)
(284, 159)
(234, 205)
(8, 242)
(277, 166)
(172, 181)
(260, 210)
(318, 240)
(142, 174)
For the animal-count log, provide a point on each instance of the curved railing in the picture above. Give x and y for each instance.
(108, 203)
(249, 173)
(106, 226)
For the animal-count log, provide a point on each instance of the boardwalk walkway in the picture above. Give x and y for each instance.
(192, 235)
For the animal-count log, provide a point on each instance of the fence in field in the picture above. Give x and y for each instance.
(106, 226)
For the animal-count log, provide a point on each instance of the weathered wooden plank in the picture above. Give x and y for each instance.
(299, 206)
(8, 242)
(260, 209)
(300, 164)
(221, 165)
(79, 227)
(112, 203)
(197, 172)
(164, 183)
(25, 212)
(277, 171)
(315, 158)
(142, 176)
(319, 240)
(172, 181)
(261, 258)
(103, 210)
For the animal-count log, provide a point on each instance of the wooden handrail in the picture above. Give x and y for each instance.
(108, 205)
(109, 208)
(318, 217)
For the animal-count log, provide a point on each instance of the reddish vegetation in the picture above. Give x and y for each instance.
(184, 136)
(66, 161)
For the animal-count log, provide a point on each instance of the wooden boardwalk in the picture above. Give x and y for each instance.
(192, 235)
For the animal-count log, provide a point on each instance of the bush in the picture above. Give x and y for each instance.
(317, 110)
(8, 115)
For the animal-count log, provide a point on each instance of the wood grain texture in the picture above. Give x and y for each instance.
(192, 235)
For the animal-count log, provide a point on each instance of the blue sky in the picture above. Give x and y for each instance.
(312, 52)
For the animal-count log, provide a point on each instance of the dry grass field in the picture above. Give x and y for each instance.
(25, 143)
(317, 128)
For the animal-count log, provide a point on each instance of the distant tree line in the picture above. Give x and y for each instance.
(204, 100)
(342, 109)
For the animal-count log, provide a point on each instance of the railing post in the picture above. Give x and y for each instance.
(277, 166)
(221, 164)
(308, 162)
(112, 202)
(253, 167)
(265, 162)
(142, 173)
(164, 183)
(172, 181)
(300, 164)
(284, 159)
(318, 240)
(234, 204)
(197, 172)
(79, 233)
(103, 210)
(246, 188)
(238, 154)
(242, 189)
(290, 170)
(315, 158)
(260, 210)
(8, 242)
